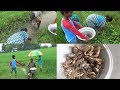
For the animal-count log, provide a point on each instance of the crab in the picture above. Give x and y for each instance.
(97, 51)
(88, 50)
(67, 63)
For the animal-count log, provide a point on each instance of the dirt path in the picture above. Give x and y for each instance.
(47, 18)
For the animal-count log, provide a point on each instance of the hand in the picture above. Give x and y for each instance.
(88, 39)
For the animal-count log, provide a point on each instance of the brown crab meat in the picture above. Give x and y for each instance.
(97, 51)
(98, 61)
(72, 55)
(87, 66)
(67, 64)
(96, 70)
(83, 62)
(74, 58)
(67, 58)
(87, 49)
(75, 50)
(79, 57)
(78, 62)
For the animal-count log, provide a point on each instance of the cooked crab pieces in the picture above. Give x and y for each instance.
(83, 62)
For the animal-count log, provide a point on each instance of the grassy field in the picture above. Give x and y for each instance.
(49, 64)
(110, 35)
(11, 21)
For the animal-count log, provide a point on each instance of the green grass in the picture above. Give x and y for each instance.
(110, 35)
(49, 64)
(45, 36)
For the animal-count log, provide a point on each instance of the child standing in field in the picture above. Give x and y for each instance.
(31, 64)
(13, 65)
(70, 28)
(31, 73)
(40, 62)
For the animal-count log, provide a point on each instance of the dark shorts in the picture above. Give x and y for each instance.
(14, 69)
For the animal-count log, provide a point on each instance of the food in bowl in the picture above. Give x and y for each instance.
(90, 32)
(89, 35)
(84, 62)
(52, 28)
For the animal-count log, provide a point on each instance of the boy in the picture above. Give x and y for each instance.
(71, 28)
(40, 62)
(13, 65)
(97, 22)
(31, 64)
(31, 73)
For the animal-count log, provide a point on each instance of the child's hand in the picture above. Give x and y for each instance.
(87, 40)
